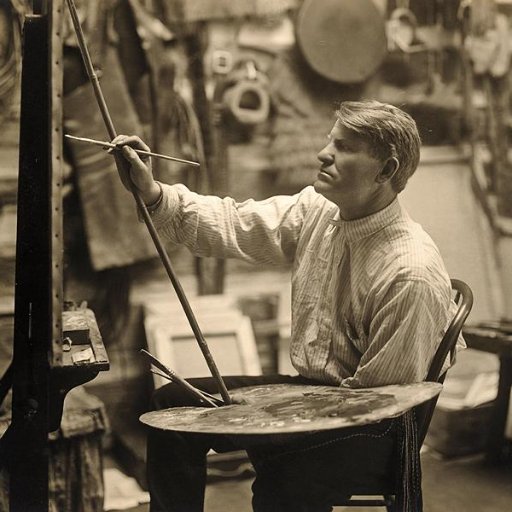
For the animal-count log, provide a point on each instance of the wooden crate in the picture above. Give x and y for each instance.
(458, 432)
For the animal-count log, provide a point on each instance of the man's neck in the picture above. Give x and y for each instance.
(359, 211)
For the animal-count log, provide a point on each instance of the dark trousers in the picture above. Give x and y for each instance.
(301, 473)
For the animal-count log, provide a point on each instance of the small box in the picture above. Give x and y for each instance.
(458, 432)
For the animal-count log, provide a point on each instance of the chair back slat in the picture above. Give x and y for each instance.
(464, 300)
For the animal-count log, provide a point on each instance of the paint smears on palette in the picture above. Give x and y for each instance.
(285, 408)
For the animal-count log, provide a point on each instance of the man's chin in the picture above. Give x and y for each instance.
(321, 186)
(324, 189)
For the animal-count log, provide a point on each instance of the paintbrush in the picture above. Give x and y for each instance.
(174, 377)
(109, 145)
(161, 374)
(215, 399)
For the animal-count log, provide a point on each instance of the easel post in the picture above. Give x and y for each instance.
(28, 436)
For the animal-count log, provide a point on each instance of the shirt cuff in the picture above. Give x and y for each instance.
(153, 206)
(168, 207)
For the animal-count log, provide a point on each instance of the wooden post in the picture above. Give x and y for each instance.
(210, 270)
(499, 98)
(28, 460)
(497, 91)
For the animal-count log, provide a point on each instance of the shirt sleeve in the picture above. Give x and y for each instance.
(405, 332)
(259, 232)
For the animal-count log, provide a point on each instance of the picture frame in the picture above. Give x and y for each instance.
(229, 335)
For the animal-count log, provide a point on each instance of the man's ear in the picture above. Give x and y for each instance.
(388, 170)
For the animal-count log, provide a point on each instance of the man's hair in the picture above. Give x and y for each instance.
(389, 132)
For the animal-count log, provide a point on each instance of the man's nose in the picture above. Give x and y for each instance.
(325, 156)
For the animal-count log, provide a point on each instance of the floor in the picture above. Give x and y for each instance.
(465, 484)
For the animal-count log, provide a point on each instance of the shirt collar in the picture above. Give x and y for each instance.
(362, 228)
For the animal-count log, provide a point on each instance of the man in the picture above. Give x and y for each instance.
(371, 300)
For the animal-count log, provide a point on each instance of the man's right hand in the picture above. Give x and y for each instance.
(140, 173)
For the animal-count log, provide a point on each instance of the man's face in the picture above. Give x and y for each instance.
(348, 172)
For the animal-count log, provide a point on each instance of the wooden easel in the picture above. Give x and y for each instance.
(41, 373)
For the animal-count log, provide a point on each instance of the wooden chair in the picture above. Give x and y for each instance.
(384, 496)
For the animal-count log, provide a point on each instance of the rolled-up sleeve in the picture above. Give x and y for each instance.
(407, 327)
(259, 232)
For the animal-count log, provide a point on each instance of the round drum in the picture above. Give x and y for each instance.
(342, 40)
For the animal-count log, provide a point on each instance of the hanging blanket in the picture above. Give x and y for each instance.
(115, 237)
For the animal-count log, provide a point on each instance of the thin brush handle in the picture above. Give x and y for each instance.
(139, 151)
(205, 395)
(174, 377)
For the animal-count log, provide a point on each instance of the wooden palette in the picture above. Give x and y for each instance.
(286, 408)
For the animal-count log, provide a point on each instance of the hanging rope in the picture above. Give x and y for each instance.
(409, 496)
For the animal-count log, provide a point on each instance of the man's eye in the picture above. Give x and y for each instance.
(341, 145)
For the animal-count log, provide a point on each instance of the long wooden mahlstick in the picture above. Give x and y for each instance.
(143, 210)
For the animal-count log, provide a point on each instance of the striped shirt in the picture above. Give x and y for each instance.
(371, 298)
